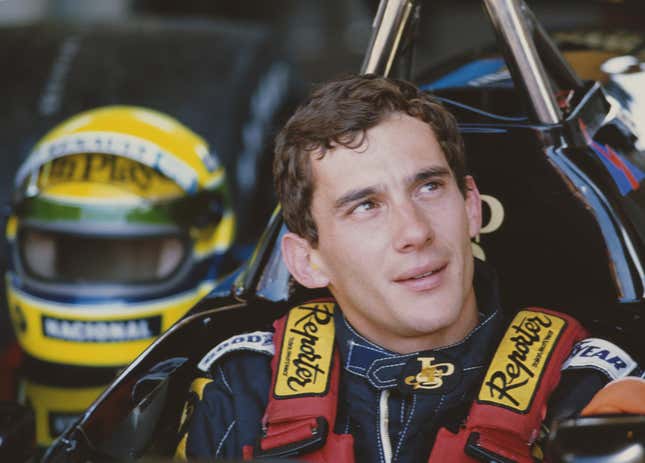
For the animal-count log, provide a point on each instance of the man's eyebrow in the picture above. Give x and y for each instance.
(427, 174)
(354, 195)
(362, 193)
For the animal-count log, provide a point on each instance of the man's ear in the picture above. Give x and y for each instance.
(297, 255)
(473, 207)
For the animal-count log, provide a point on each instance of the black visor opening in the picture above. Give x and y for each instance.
(70, 258)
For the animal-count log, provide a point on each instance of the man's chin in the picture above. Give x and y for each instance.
(428, 324)
(426, 302)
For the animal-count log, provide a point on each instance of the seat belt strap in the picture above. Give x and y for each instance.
(303, 401)
(505, 419)
(503, 423)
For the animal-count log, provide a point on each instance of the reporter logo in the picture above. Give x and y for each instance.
(306, 353)
(516, 369)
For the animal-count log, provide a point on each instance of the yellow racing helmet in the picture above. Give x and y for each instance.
(55, 407)
(120, 222)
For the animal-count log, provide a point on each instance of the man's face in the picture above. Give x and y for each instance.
(394, 237)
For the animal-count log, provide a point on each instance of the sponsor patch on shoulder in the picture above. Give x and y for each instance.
(307, 350)
(600, 355)
(258, 341)
(514, 374)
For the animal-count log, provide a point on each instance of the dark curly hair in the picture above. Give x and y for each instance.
(338, 113)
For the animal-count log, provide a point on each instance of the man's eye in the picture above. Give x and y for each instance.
(430, 186)
(365, 206)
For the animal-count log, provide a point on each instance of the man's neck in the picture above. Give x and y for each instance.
(406, 343)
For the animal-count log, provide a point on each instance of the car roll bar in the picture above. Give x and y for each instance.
(526, 44)
(510, 22)
(388, 28)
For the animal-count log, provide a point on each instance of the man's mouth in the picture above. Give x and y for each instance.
(423, 279)
(423, 275)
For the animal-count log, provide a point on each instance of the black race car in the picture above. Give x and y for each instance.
(561, 163)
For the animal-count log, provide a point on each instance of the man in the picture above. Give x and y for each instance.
(372, 180)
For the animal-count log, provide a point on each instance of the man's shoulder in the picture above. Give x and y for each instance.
(237, 367)
(256, 346)
(235, 373)
(603, 356)
(532, 327)
(227, 399)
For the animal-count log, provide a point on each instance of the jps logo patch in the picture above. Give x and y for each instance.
(430, 376)
(429, 372)
(514, 373)
(307, 348)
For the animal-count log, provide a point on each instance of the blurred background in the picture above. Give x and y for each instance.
(44, 40)
(327, 37)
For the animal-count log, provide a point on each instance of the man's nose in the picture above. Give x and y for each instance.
(411, 227)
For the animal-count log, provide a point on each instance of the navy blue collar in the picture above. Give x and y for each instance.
(382, 368)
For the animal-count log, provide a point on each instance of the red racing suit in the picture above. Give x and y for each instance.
(387, 406)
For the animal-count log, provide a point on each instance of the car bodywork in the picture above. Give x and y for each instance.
(561, 166)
